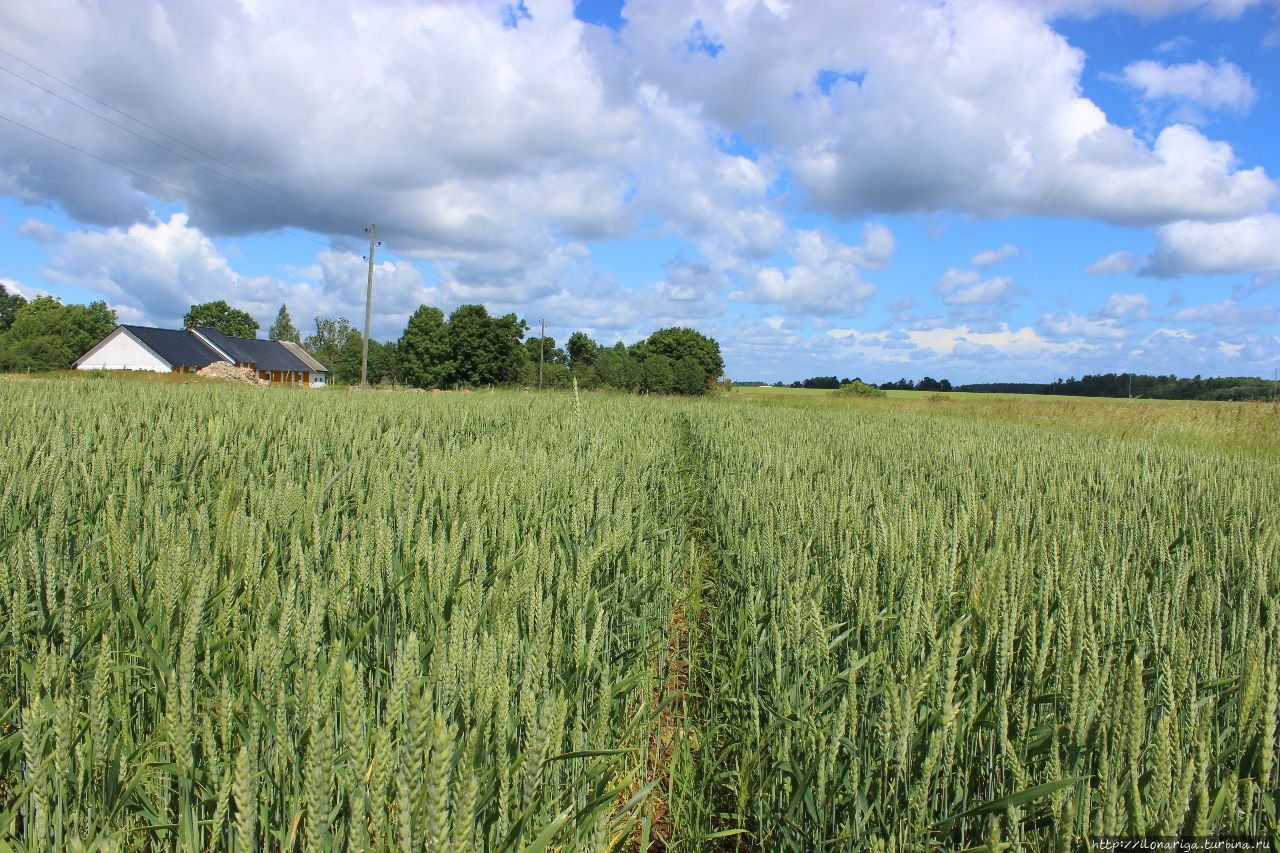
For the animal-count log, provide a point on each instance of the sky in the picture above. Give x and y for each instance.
(978, 191)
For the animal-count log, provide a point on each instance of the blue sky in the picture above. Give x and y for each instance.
(978, 190)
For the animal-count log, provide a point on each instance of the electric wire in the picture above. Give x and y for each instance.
(161, 183)
(313, 208)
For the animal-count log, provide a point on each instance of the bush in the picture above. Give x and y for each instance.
(858, 388)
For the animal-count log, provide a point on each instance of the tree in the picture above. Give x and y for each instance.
(485, 350)
(658, 375)
(9, 305)
(326, 344)
(425, 358)
(283, 328)
(582, 350)
(553, 376)
(689, 377)
(617, 369)
(346, 367)
(221, 316)
(384, 362)
(47, 335)
(552, 353)
(677, 342)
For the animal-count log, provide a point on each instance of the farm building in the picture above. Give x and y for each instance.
(189, 350)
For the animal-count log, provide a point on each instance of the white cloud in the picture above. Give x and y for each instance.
(1229, 314)
(38, 230)
(974, 107)
(991, 257)
(1021, 341)
(968, 288)
(1116, 263)
(1132, 305)
(876, 248)
(154, 272)
(1073, 325)
(26, 291)
(1249, 245)
(825, 277)
(1221, 87)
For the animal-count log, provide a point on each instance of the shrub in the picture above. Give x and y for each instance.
(858, 388)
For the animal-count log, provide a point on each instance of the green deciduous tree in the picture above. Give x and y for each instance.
(679, 342)
(689, 377)
(47, 335)
(582, 350)
(326, 344)
(552, 353)
(224, 318)
(346, 367)
(658, 375)
(9, 305)
(426, 360)
(384, 362)
(283, 329)
(617, 369)
(485, 350)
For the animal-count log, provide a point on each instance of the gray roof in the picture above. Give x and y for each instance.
(178, 347)
(296, 349)
(264, 355)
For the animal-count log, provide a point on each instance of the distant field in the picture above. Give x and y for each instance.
(1248, 427)
(243, 618)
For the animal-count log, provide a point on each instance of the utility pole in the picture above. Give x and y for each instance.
(368, 304)
(542, 351)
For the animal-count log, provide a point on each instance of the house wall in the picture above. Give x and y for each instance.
(122, 352)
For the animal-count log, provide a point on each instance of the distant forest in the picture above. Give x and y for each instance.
(1103, 385)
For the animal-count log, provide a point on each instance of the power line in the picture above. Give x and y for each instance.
(132, 132)
(202, 153)
(300, 202)
(161, 183)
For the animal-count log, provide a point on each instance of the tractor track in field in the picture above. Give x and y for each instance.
(675, 694)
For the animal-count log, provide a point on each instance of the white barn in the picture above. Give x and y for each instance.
(188, 350)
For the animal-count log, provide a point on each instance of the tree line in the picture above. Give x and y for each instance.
(470, 348)
(45, 334)
(1165, 387)
(928, 383)
(1100, 385)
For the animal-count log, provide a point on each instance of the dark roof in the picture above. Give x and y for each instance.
(178, 347)
(264, 355)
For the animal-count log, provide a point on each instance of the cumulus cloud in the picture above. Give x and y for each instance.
(973, 107)
(991, 257)
(38, 230)
(1215, 87)
(1229, 315)
(969, 288)
(1249, 245)
(475, 140)
(26, 291)
(1131, 305)
(824, 277)
(154, 272)
(497, 150)
(1116, 263)
(1073, 325)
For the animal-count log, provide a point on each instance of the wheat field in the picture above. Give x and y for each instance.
(239, 619)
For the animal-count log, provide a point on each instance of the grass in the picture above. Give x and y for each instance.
(1245, 427)
(296, 619)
